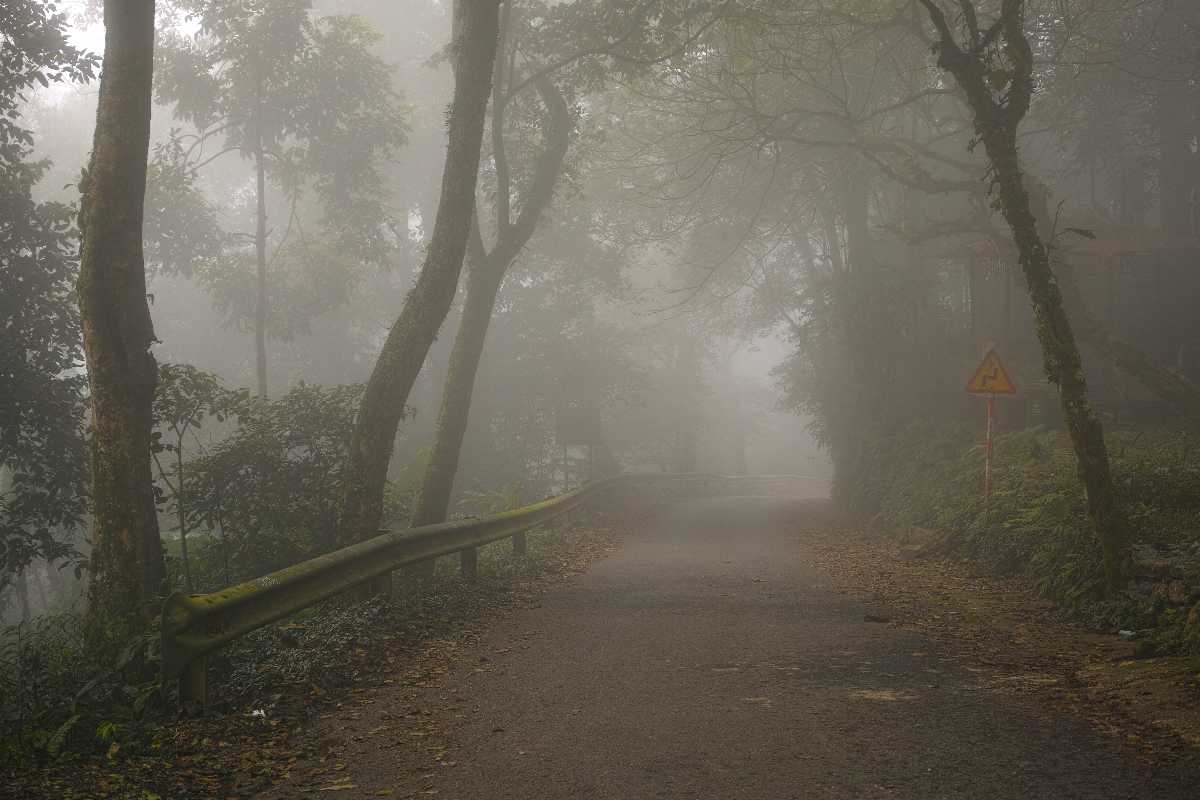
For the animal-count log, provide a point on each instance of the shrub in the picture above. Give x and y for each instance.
(1035, 522)
(62, 691)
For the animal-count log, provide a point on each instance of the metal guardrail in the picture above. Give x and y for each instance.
(195, 625)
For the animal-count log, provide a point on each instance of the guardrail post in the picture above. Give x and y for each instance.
(193, 685)
(422, 572)
(519, 544)
(469, 562)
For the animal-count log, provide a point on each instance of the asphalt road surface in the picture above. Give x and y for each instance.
(705, 659)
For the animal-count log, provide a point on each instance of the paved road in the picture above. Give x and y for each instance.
(706, 660)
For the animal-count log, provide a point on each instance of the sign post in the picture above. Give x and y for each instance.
(990, 379)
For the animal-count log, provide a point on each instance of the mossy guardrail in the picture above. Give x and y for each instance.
(195, 625)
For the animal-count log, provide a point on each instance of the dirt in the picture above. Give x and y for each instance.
(1028, 644)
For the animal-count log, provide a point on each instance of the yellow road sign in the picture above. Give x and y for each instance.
(990, 377)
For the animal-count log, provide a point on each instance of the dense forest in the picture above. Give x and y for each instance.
(277, 276)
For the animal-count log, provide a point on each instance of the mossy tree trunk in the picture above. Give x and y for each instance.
(476, 26)
(998, 88)
(433, 501)
(261, 307)
(127, 568)
(486, 273)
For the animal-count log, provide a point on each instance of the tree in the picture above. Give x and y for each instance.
(304, 99)
(186, 397)
(476, 26)
(543, 40)
(772, 141)
(127, 568)
(486, 270)
(43, 464)
(994, 68)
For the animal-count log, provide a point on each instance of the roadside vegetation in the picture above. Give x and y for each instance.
(927, 482)
(72, 724)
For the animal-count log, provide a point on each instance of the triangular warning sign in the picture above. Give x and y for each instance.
(990, 377)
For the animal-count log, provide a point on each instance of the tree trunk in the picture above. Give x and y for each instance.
(487, 271)
(433, 502)
(260, 252)
(181, 511)
(996, 123)
(859, 416)
(425, 308)
(127, 568)
(1063, 364)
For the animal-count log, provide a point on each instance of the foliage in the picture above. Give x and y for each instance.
(250, 483)
(307, 279)
(35, 52)
(41, 418)
(930, 477)
(304, 94)
(864, 363)
(260, 498)
(63, 692)
(486, 503)
(184, 399)
(307, 85)
(546, 346)
(267, 495)
(181, 230)
(43, 459)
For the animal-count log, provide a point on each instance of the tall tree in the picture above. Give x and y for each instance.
(487, 267)
(304, 100)
(127, 567)
(994, 68)
(561, 36)
(476, 29)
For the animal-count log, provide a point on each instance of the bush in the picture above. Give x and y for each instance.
(266, 496)
(62, 691)
(1035, 524)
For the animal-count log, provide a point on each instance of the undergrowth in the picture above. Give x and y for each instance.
(1034, 525)
(62, 694)
(61, 699)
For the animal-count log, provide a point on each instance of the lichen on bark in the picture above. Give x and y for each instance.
(997, 117)
(126, 565)
(476, 26)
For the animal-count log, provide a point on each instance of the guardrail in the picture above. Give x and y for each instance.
(195, 625)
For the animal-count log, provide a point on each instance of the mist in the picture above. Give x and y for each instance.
(752, 320)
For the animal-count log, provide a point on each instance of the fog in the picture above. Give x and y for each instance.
(397, 263)
(764, 246)
(611, 305)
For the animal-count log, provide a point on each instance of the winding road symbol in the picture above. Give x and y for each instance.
(990, 377)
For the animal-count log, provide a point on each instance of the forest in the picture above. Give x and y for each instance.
(284, 284)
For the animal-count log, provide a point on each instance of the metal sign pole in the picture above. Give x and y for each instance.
(987, 448)
(990, 378)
